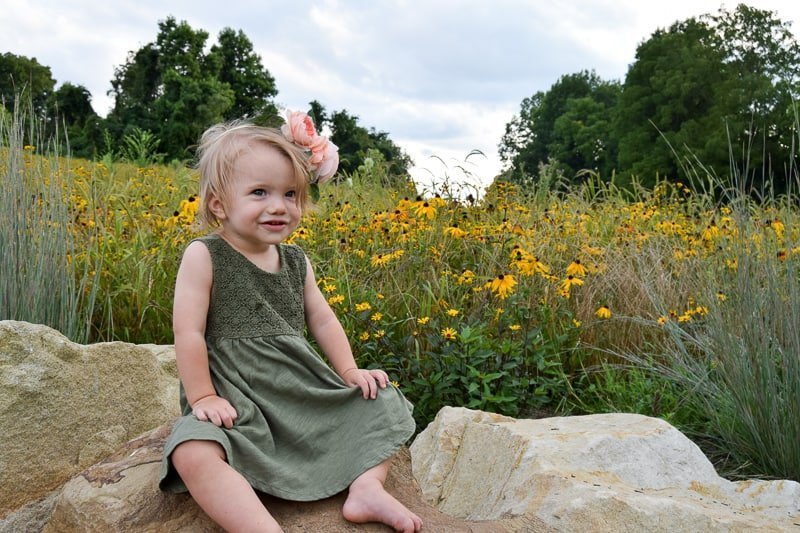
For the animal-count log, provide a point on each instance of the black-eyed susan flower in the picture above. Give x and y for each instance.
(576, 269)
(425, 210)
(502, 285)
(449, 334)
(566, 285)
(603, 312)
(466, 277)
(380, 260)
(455, 232)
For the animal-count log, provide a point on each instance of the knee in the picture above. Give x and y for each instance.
(192, 456)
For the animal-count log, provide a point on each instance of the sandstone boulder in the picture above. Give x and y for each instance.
(615, 472)
(64, 406)
(120, 495)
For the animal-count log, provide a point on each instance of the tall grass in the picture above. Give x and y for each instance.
(737, 369)
(38, 278)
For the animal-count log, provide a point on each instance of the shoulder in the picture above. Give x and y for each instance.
(196, 249)
(196, 265)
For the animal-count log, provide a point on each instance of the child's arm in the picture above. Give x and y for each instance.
(190, 307)
(330, 335)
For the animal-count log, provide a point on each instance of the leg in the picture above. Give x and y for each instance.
(368, 501)
(220, 490)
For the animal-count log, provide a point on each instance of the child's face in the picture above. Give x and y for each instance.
(261, 208)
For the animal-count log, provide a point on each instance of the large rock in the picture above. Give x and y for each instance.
(65, 406)
(616, 472)
(120, 495)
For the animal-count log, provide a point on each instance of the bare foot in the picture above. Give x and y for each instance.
(368, 501)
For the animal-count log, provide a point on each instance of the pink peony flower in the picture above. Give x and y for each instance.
(299, 129)
(328, 164)
(324, 155)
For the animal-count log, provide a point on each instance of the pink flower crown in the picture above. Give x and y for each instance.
(324, 155)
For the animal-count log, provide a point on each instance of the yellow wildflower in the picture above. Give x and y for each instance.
(380, 260)
(603, 312)
(576, 269)
(425, 209)
(466, 277)
(328, 287)
(449, 334)
(502, 285)
(455, 232)
(565, 286)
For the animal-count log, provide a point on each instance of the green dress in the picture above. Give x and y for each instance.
(301, 433)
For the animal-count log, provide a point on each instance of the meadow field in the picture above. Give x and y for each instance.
(545, 301)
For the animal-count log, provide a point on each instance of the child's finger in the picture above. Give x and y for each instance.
(364, 386)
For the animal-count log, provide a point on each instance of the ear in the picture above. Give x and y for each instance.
(216, 207)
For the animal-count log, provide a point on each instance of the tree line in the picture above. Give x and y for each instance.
(710, 99)
(170, 90)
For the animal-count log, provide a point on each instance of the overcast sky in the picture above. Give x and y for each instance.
(441, 77)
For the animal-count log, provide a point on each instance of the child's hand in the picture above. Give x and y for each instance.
(216, 410)
(367, 380)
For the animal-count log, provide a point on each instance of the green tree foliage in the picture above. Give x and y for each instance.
(70, 111)
(240, 67)
(25, 78)
(667, 101)
(173, 89)
(708, 93)
(711, 95)
(355, 143)
(568, 125)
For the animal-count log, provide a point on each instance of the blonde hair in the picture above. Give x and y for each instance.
(221, 145)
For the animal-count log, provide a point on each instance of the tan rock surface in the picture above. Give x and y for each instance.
(615, 472)
(65, 406)
(120, 495)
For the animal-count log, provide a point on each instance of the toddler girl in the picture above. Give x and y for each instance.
(261, 409)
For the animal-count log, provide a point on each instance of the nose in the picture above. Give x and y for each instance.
(275, 204)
